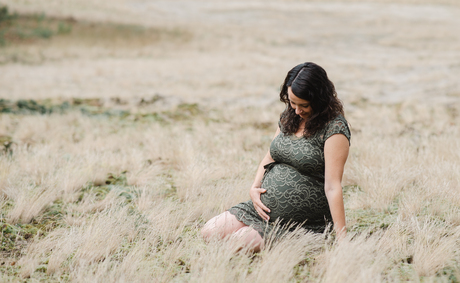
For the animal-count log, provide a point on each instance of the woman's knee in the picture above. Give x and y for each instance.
(249, 237)
(207, 230)
(221, 225)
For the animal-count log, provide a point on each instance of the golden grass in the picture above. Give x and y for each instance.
(165, 130)
(401, 198)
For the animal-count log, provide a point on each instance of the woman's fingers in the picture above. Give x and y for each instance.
(261, 213)
(258, 205)
(259, 202)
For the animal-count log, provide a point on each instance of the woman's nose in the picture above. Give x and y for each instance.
(297, 111)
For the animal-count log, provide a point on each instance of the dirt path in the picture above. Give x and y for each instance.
(383, 52)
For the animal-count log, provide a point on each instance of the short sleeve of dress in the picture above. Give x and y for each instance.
(337, 126)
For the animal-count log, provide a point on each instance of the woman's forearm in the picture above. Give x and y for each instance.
(335, 155)
(256, 189)
(261, 170)
(335, 200)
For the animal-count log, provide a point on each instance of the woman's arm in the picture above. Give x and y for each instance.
(256, 190)
(335, 155)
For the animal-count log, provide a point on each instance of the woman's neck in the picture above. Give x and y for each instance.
(300, 129)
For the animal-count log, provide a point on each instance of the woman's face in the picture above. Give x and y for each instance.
(301, 107)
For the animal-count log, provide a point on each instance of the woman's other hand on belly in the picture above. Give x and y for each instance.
(261, 209)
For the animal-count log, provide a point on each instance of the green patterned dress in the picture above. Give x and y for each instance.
(294, 183)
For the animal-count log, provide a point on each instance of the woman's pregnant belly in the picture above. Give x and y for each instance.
(292, 196)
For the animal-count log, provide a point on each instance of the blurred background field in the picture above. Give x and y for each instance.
(126, 125)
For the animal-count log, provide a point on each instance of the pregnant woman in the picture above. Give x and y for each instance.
(299, 180)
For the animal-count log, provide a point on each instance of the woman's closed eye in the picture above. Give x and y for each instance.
(301, 106)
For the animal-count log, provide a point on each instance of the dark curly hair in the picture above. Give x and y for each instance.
(309, 82)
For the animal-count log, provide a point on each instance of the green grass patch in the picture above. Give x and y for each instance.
(28, 107)
(26, 29)
(184, 112)
(16, 28)
(370, 220)
(6, 144)
(116, 183)
(450, 272)
(14, 237)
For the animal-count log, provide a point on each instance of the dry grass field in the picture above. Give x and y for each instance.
(126, 125)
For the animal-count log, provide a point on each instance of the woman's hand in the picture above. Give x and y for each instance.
(261, 209)
(342, 234)
(255, 190)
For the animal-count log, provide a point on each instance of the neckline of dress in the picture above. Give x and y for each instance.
(295, 137)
